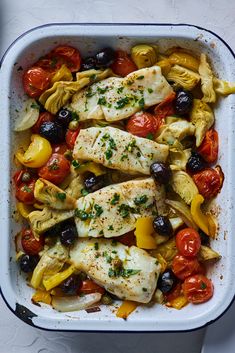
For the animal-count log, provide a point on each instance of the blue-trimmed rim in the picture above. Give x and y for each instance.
(27, 319)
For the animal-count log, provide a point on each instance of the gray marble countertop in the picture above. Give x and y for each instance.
(17, 16)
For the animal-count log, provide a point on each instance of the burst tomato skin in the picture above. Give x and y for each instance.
(209, 181)
(35, 81)
(88, 286)
(70, 137)
(142, 124)
(128, 239)
(198, 289)
(184, 267)
(123, 65)
(56, 169)
(165, 108)
(24, 191)
(188, 242)
(30, 244)
(60, 148)
(210, 146)
(43, 118)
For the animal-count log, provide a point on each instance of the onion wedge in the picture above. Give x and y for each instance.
(75, 303)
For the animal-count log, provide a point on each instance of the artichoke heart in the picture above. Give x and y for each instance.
(41, 221)
(223, 87)
(184, 59)
(179, 158)
(143, 55)
(63, 74)
(95, 75)
(183, 185)
(60, 93)
(165, 66)
(183, 77)
(207, 254)
(52, 196)
(203, 118)
(175, 131)
(206, 74)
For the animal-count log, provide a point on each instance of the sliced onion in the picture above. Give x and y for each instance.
(183, 211)
(75, 303)
(28, 116)
(18, 244)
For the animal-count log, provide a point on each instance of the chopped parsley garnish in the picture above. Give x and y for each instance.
(54, 165)
(149, 136)
(107, 257)
(115, 199)
(130, 147)
(108, 153)
(61, 196)
(114, 252)
(101, 90)
(89, 93)
(140, 200)
(75, 116)
(102, 101)
(122, 272)
(99, 210)
(120, 89)
(83, 215)
(112, 144)
(26, 189)
(124, 156)
(150, 90)
(129, 83)
(84, 192)
(141, 103)
(34, 106)
(203, 285)
(105, 136)
(121, 103)
(96, 246)
(125, 210)
(92, 77)
(76, 164)
(110, 227)
(140, 77)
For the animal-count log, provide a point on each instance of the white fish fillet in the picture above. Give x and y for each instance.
(113, 210)
(99, 259)
(117, 98)
(117, 149)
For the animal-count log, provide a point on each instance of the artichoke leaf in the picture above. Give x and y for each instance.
(176, 131)
(184, 59)
(183, 77)
(28, 116)
(167, 250)
(183, 211)
(206, 75)
(183, 185)
(223, 87)
(63, 74)
(144, 55)
(95, 75)
(206, 254)
(179, 158)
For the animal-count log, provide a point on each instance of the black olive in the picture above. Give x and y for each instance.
(105, 57)
(28, 262)
(183, 102)
(71, 285)
(68, 234)
(195, 163)
(162, 226)
(166, 281)
(89, 63)
(52, 131)
(93, 182)
(205, 239)
(160, 172)
(64, 116)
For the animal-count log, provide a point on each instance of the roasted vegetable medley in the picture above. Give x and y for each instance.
(114, 184)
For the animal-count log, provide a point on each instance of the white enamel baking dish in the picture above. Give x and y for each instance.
(89, 38)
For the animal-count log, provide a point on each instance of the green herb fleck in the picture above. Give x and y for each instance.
(92, 77)
(110, 227)
(115, 199)
(26, 188)
(76, 164)
(203, 285)
(96, 246)
(149, 136)
(108, 153)
(99, 210)
(61, 196)
(122, 272)
(102, 101)
(75, 116)
(124, 156)
(141, 103)
(112, 144)
(140, 77)
(140, 200)
(54, 165)
(125, 210)
(120, 89)
(121, 103)
(83, 215)
(101, 90)
(84, 192)
(114, 252)
(114, 242)
(150, 90)
(34, 106)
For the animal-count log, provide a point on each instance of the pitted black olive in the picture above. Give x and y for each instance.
(195, 163)
(167, 281)
(28, 262)
(162, 226)
(160, 172)
(105, 57)
(183, 102)
(71, 285)
(93, 182)
(64, 116)
(52, 131)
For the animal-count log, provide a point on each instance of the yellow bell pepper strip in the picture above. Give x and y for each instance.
(143, 233)
(89, 167)
(178, 303)
(185, 60)
(59, 277)
(41, 296)
(23, 209)
(162, 262)
(204, 222)
(126, 308)
(37, 154)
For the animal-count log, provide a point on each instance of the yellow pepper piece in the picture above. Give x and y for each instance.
(41, 296)
(185, 60)
(63, 74)
(37, 154)
(143, 233)
(162, 262)
(91, 167)
(204, 222)
(23, 209)
(178, 303)
(59, 277)
(165, 66)
(126, 309)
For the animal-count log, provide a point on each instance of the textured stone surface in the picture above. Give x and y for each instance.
(15, 18)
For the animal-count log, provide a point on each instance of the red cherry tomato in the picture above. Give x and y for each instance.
(142, 124)
(198, 289)
(165, 108)
(188, 242)
(174, 293)
(35, 81)
(70, 137)
(56, 169)
(60, 148)
(184, 267)
(209, 181)
(70, 55)
(18, 175)
(123, 65)
(25, 192)
(210, 146)
(128, 239)
(88, 286)
(30, 244)
(43, 117)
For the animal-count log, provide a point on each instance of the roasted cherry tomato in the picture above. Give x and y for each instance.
(188, 242)
(165, 108)
(210, 146)
(17, 177)
(56, 169)
(142, 124)
(60, 148)
(174, 293)
(198, 289)
(25, 192)
(30, 244)
(123, 65)
(88, 286)
(184, 267)
(35, 81)
(70, 137)
(43, 117)
(209, 181)
(70, 55)
(128, 239)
